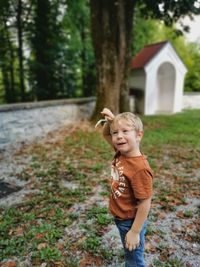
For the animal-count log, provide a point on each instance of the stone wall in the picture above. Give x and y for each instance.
(49, 103)
(191, 101)
(21, 123)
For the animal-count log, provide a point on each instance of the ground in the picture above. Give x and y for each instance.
(60, 217)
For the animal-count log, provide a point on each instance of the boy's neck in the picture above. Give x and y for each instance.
(136, 153)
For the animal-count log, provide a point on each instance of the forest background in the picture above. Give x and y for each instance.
(46, 49)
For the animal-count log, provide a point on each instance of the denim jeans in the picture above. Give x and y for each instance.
(134, 258)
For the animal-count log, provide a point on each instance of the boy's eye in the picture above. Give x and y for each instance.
(125, 131)
(114, 133)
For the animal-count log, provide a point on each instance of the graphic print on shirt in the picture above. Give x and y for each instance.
(118, 181)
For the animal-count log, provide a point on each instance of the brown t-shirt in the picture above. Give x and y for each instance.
(131, 181)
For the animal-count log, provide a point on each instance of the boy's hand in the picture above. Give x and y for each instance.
(107, 114)
(132, 240)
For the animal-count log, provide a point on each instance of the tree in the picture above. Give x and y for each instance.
(145, 31)
(46, 44)
(20, 47)
(13, 19)
(41, 42)
(79, 59)
(7, 58)
(44, 52)
(87, 65)
(7, 65)
(111, 32)
(192, 81)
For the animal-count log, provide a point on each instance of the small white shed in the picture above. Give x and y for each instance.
(157, 79)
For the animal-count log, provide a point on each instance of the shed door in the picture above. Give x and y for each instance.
(166, 88)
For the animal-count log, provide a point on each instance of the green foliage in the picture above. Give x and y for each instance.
(188, 213)
(99, 215)
(192, 81)
(46, 61)
(58, 61)
(48, 254)
(80, 58)
(145, 32)
(175, 262)
(9, 65)
(92, 243)
(168, 11)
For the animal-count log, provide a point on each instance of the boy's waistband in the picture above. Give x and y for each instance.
(120, 219)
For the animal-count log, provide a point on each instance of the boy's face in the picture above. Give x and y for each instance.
(125, 138)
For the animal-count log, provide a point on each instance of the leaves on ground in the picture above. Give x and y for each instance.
(63, 220)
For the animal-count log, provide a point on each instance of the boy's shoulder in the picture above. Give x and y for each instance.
(136, 164)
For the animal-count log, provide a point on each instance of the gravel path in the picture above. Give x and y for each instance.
(21, 126)
(24, 126)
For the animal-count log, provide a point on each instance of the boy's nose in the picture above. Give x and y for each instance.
(119, 135)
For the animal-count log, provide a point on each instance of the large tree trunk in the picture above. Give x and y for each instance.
(7, 63)
(11, 72)
(42, 73)
(20, 49)
(111, 32)
(86, 92)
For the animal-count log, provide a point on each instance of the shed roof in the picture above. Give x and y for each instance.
(146, 54)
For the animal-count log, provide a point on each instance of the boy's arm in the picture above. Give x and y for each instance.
(133, 236)
(109, 116)
(106, 133)
(141, 215)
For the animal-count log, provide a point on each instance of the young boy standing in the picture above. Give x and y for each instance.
(131, 183)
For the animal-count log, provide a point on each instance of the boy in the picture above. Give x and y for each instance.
(131, 183)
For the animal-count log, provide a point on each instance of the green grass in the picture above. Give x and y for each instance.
(175, 262)
(100, 215)
(181, 129)
(84, 158)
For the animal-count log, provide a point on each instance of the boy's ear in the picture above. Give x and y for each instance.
(139, 135)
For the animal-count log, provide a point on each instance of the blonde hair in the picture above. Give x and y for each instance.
(131, 118)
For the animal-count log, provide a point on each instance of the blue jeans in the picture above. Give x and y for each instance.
(134, 258)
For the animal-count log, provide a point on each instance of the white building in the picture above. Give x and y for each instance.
(157, 79)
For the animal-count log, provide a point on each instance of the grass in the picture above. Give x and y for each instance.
(174, 262)
(177, 129)
(36, 228)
